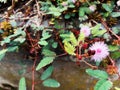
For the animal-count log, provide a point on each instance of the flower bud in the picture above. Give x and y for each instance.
(79, 57)
(85, 46)
(91, 52)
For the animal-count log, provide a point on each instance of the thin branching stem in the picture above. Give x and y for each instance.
(92, 66)
(33, 71)
(109, 30)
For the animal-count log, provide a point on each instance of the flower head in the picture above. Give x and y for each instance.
(85, 30)
(118, 3)
(92, 8)
(73, 1)
(101, 51)
(64, 3)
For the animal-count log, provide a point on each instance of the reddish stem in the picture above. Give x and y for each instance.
(109, 30)
(113, 62)
(61, 55)
(33, 43)
(33, 72)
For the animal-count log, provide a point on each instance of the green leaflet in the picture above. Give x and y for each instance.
(103, 84)
(22, 84)
(115, 14)
(56, 11)
(43, 42)
(47, 52)
(21, 37)
(1, 31)
(97, 73)
(55, 44)
(107, 7)
(51, 83)
(81, 37)
(115, 30)
(70, 49)
(47, 73)
(45, 61)
(97, 63)
(2, 53)
(12, 49)
(71, 5)
(115, 55)
(65, 35)
(45, 5)
(83, 11)
(99, 32)
(6, 40)
(70, 42)
(45, 35)
(19, 31)
(73, 39)
(96, 30)
(113, 48)
(67, 16)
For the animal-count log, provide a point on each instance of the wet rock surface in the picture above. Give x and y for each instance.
(70, 75)
(12, 68)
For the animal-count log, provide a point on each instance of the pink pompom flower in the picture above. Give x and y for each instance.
(85, 30)
(101, 51)
(92, 8)
(64, 4)
(73, 1)
(118, 3)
